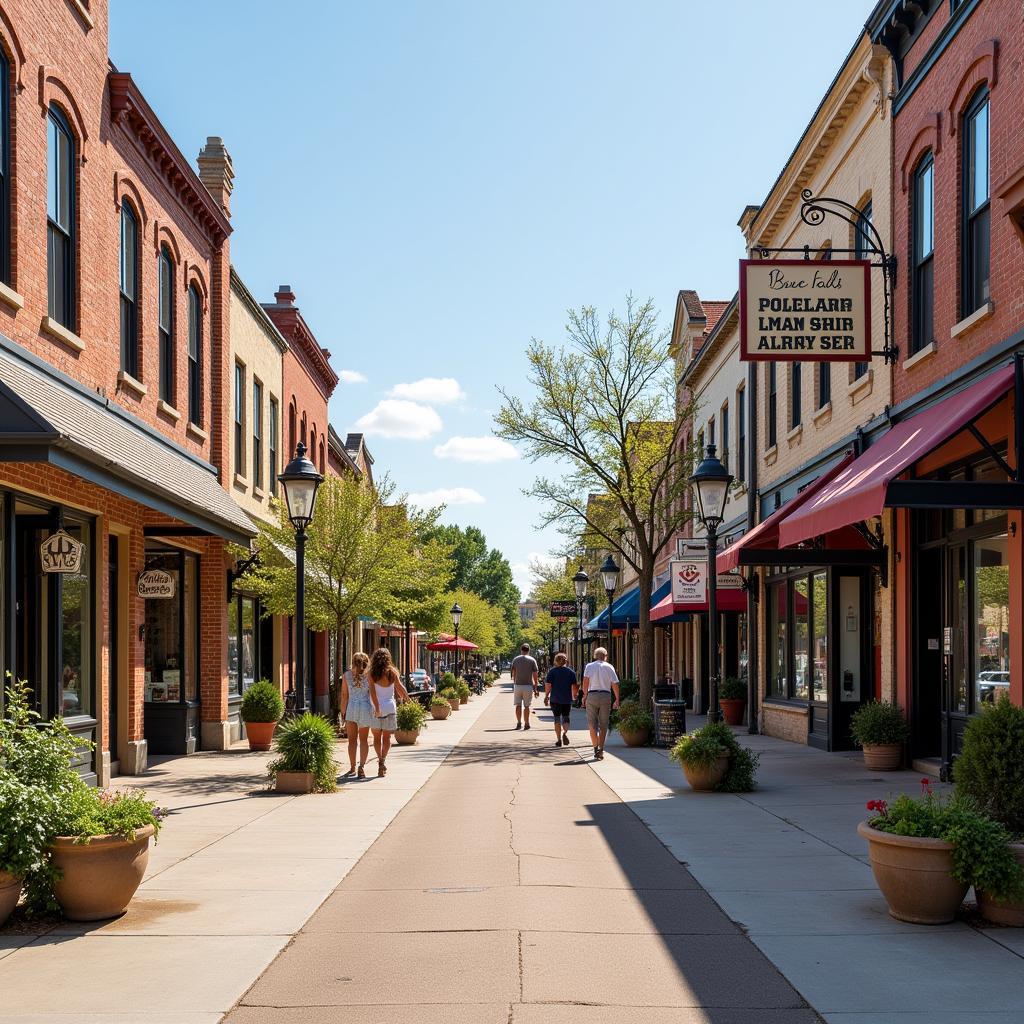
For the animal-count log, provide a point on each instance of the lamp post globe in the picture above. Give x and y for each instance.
(456, 613)
(711, 482)
(300, 481)
(610, 579)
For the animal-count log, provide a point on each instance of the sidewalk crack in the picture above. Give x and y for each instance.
(511, 828)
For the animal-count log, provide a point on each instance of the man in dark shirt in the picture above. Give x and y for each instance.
(559, 691)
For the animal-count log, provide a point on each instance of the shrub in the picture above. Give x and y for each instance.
(990, 769)
(700, 749)
(629, 689)
(450, 693)
(448, 679)
(439, 700)
(732, 688)
(411, 715)
(878, 722)
(633, 717)
(90, 812)
(462, 689)
(306, 744)
(262, 703)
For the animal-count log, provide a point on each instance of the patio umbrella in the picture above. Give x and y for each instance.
(452, 645)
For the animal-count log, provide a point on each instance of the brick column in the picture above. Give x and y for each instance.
(213, 645)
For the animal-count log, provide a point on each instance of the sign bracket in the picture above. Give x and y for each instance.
(813, 211)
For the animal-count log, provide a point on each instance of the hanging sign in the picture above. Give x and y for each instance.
(61, 553)
(562, 609)
(813, 310)
(156, 583)
(690, 581)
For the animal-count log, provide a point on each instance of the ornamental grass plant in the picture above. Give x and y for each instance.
(306, 744)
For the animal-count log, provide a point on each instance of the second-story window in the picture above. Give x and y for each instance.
(60, 220)
(711, 431)
(239, 419)
(862, 246)
(773, 406)
(257, 434)
(5, 168)
(923, 246)
(741, 434)
(165, 323)
(292, 436)
(725, 435)
(272, 428)
(825, 382)
(195, 349)
(795, 383)
(129, 292)
(975, 206)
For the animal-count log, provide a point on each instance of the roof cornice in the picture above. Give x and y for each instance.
(268, 325)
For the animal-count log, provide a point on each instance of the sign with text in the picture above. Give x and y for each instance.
(562, 609)
(813, 310)
(156, 583)
(61, 553)
(690, 580)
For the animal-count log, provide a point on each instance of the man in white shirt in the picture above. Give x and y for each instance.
(600, 683)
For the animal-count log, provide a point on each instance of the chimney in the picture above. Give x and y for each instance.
(216, 172)
(284, 296)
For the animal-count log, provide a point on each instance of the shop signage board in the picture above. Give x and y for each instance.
(690, 580)
(562, 609)
(805, 310)
(61, 553)
(156, 583)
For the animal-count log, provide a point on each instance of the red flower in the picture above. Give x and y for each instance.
(926, 782)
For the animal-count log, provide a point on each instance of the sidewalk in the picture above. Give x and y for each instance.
(237, 872)
(785, 863)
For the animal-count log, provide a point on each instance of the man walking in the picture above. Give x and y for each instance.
(524, 685)
(559, 691)
(600, 682)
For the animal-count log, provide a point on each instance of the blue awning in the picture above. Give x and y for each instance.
(626, 610)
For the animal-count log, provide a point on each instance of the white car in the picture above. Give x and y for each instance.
(990, 684)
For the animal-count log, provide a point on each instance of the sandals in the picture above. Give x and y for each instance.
(382, 769)
(361, 774)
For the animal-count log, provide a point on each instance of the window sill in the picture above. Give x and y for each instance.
(62, 334)
(241, 482)
(861, 386)
(168, 410)
(258, 493)
(9, 297)
(793, 437)
(922, 355)
(771, 454)
(126, 382)
(197, 433)
(793, 707)
(739, 488)
(981, 314)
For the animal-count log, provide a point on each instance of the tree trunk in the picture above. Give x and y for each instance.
(334, 684)
(645, 651)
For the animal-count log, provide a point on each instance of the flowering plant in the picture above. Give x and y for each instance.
(90, 812)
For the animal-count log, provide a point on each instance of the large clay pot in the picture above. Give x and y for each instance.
(455, 703)
(406, 737)
(883, 757)
(1008, 912)
(260, 734)
(295, 782)
(634, 737)
(99, 878)
(440, 711)
(463, 700)
(10, 892)
(915, 876)
(732, 710)
(707, 778)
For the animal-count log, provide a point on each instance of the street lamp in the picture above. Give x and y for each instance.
(610, 578)
(580, 582)
(300, 482)
(456, 619)
(711, 482)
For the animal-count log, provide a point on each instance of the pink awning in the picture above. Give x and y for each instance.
(730, 599)
(859, 491)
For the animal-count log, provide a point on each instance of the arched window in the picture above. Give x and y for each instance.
(322, 469)
(302, 433)
(195, 348)
(291, 431)
(5, 168)
(976, 218)
(923, 249)
(862, 248)
(312, 445)
(165, 323)
(129, 291)
(60, 220)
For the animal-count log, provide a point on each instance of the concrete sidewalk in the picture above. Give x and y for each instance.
(237, 872)
(785, 863)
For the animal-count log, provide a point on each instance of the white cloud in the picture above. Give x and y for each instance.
(394, 418)
(432, 390)
(447, 496)
(476, 449)
(351, 377)
(522, 572)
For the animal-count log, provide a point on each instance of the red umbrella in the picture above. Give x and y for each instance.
(461, 644)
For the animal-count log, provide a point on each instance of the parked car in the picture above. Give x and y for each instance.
(990, 684)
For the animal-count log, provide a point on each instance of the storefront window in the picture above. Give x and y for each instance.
(778, 606)
(76, 619)
(189, 602)
(959, 627)
(742, 653)
(234, 676)
(248, 642)
(243, 649)
(991, 619)
(171, 645)
(819, 651)
(801, 636)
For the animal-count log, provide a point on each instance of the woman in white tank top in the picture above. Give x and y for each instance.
(386, 690)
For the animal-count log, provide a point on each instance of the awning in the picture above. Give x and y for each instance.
(728, 599)
(45, 416)
(626, 610)
(861, 489)
(664, 614)
(765, 536)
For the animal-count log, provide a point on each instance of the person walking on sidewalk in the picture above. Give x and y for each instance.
(524, 685)
(385, 693)
(600, 682)
(357, 711)
(560, 685)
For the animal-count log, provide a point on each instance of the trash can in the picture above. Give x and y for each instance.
(669, 722)
(666, 691)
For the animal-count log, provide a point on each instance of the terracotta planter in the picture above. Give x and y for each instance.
(1008, 912)
(99, 878)
(883, 757)
(915, 876)
(635, 737)
(707, 778)
(295, 782)
(463, 700)
(406, 737)
(10, 892)
(732, 710)
(455, 704)
(260, 734)
(440, 711)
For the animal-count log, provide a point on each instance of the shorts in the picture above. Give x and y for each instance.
(360, 713)
(561, 711)
(523, 695)
(386, 723)
(599, 709)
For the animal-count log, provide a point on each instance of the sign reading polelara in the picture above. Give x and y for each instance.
(810, 310)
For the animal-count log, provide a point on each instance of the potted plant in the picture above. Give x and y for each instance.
(712, 759)
(451, 695)
(634, 723)
(990, 773)
(462, 689)
(926, 852)
(305, 756)
(732, 696)
(22, 846)
(881, 729)
(440, 709)
(448, 681)
(101, 850)
(262, 708)
(412, 716)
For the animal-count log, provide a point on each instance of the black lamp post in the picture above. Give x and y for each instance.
(456, 619)
(580, 582)
(610, 578)
(711, 481)
(300, 482)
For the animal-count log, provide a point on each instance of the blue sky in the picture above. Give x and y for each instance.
(439, 181)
